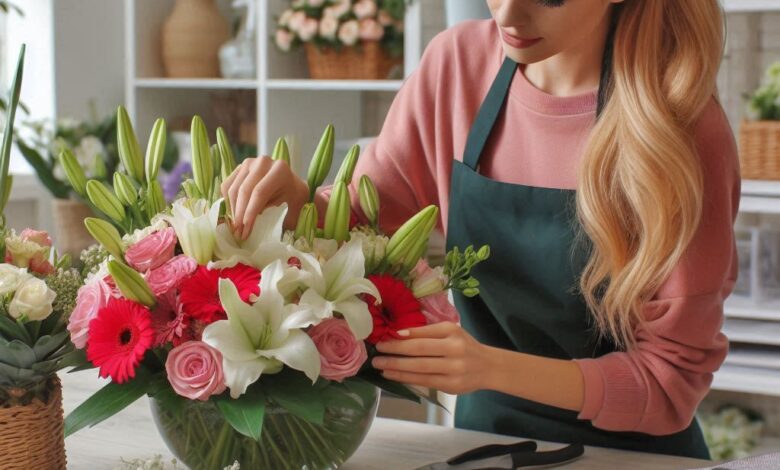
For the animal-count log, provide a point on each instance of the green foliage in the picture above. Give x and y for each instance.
(245, 413)
(764, 103)
(458, 265)
(66, 283)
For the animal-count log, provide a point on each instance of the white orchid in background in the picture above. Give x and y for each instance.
(195, 224)
(335, 288)
(263, 337)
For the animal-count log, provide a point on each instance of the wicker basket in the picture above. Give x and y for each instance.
(759, 151)
(32, 436)
(71, 234)
(368, 61)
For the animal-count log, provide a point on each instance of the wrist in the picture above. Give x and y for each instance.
(494, 371)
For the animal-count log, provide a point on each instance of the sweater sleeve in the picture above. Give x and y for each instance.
(656, 387)
(401, 161)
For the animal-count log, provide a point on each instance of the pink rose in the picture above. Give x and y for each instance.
(371, 30)
(195, 370)
(90, 299)
(152, 251)
(385, 18)
(341, 355)
(349, 33)
(364, 9)
(284, 39)
(169, 275)
(40, 237)
(437, 308)
(308, 29)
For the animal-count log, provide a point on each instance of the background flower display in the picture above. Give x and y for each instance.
(343, 32)
(255, 349)
(759, 135)
(38, 290)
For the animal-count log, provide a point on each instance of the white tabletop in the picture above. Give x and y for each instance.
(391, 444)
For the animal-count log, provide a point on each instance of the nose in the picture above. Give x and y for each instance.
(512, 13)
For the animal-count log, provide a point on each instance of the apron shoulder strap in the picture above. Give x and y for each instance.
(488, 113)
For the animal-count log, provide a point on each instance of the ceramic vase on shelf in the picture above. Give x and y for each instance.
(191, 38)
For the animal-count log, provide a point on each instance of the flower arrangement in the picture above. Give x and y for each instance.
(764, 103)
(340, 23)
(731, 432)
(187, 313)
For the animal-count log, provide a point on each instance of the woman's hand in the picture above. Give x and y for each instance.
(259, 183)
(441, 356)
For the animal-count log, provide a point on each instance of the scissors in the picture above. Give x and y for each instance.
(521, 454)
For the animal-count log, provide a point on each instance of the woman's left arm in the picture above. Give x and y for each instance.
(654, 387)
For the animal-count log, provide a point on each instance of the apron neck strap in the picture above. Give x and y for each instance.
(488, 113)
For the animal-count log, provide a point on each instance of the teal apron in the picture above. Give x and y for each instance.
(528, 298)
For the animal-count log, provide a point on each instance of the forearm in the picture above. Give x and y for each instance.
(553, 382)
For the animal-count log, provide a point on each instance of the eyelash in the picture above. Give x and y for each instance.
(550, 3)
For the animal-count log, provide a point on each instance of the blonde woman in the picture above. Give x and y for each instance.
(581, 140)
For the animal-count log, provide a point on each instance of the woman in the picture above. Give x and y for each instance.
(603, 174)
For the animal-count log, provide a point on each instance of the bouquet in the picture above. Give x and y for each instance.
(764, 103)
(339, 23)
(182, 310)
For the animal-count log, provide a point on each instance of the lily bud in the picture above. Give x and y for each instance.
(404, 245)
(105, 234)
(104, 199)
(216, 160)
(191, 190)
(155, 200)
(202, 168)
(131, 283)
(307, 222)
(124, 189)
(74, 172)
(347, 168)
(337, 215)
(6, 193)
(321, 161)
(155, 151)
(281, 151)
(369, 199)
(225, 153)
(129, 150)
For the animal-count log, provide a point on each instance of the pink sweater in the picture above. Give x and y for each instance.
(654, 388)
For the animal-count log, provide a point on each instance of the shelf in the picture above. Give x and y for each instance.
(751, 5)
(736, 307)
(197, 83)
(331, 85)
(752, 331)
(760, 204)
(747, 380)
(765, 357)
(761, 188)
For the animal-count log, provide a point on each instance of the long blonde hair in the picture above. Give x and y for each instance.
(639, 195)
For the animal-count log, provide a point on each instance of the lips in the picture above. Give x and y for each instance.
(518, 43)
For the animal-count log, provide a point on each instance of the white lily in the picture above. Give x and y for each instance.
(263, 246)
(195, 224)
(336, 286)
(263, 337)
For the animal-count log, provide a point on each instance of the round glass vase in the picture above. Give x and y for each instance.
(199, 437)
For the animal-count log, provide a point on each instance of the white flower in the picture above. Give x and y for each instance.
(365, 9)
(67, 124)
(284, 18)
(88, 151)
(335, 288)
(315, 3)
(296, 21)
(261, 338)
(195, 224)
(329, 25)
(157, 224)
(371, 30)
(33, 300)
(340, 8)
(308, 29)
(283, 39)
(11, 278)
(349, 32)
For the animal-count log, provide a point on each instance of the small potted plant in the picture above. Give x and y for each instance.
(759, 138)
(345, 39)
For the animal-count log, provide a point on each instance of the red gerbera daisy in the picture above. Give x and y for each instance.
(119, 336)
(199, 293)
(399, 309)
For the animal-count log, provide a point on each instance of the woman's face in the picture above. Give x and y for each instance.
(535, 30)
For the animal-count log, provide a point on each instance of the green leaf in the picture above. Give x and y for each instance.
(77, 359)
(295, 393)
(48, 344)
(393, 388)
(107, 402)
(245, 413)
(57, 188)
(13, 102)
(16, 353)
(13, 330)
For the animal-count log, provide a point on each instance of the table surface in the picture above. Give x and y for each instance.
(391, 444)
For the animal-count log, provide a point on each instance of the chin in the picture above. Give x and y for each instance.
(528, 56)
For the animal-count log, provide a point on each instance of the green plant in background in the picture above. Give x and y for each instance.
(764, 103)
(37, 293)
(731, 432)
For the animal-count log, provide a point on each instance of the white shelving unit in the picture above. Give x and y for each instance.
(753, 363)
(287, 101)
(737, 6)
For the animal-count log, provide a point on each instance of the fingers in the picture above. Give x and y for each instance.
(436, 381)
(415, 347)
(421, 365)
(436, 330)
(244, 189)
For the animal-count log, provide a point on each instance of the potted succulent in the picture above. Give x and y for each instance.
(345, 39)
(759, 138)
(38, 290)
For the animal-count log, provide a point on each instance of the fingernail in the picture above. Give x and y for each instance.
(403, 333)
